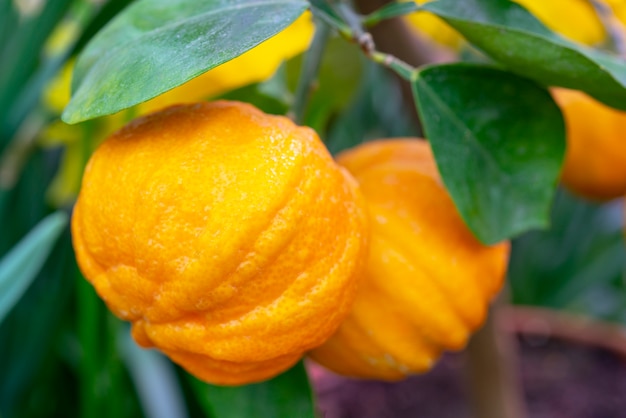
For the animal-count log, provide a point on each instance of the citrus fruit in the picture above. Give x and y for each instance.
(434, 28)
(574, 19)
(595, 158)
(427, 281)
(228, 237)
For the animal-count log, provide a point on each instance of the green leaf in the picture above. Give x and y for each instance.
(512, 36)
(156, 45)
(285, 396)
(498, 140)
(19, 267)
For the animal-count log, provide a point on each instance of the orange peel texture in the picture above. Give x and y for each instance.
(595, 158)
(427, 281)
(228, 237)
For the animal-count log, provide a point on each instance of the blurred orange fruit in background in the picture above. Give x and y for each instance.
(595, 158)
(427, 281)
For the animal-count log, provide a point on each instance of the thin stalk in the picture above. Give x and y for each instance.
(492, 373)
(310, 69)
(366, 42)
(401, 68)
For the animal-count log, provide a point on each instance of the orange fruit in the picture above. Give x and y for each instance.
(595, 158)
(427, 281)
(435, 29)
(573, 19)
(228, 237)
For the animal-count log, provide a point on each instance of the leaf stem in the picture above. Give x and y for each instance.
(366, 42)
(404, 70)
(310, 69)
(492, 370)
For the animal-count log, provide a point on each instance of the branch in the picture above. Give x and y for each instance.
(550, 323)
(394, 37)
(492, 371)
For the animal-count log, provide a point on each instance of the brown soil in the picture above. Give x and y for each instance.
(560, 379)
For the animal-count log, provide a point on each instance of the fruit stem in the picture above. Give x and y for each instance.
(401, 68)
(492, 371)
(310, 69)
(349, 24)
(366, 43)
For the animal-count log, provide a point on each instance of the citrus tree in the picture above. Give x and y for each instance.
(256, 186)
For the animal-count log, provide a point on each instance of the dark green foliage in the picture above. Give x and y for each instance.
(516, 39)
(498, 140)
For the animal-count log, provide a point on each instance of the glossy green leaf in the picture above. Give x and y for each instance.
(19, 267)
(512, 36)
(156, 45)
(285, 396)
(499, 142)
